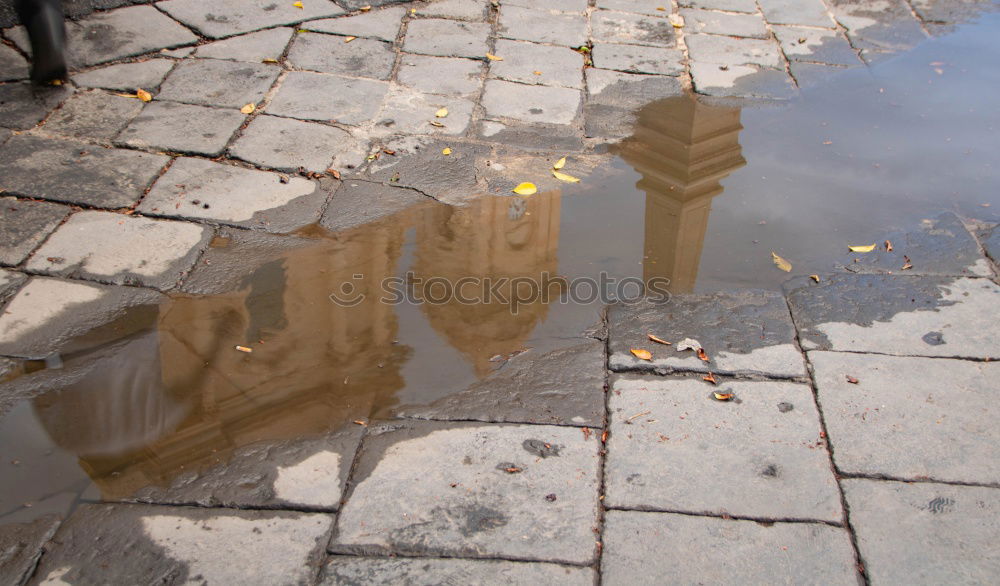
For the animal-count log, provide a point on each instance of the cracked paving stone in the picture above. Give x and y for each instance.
(419, 164)
(807, 12)
(95, 115)
(732, 51)
(121, 250)
(355, 570)
(126, 76)
(21, 544)
(307, 474)
(741, 81)
(168, 126)
(473, 490)
(912, 418)
(888, 25)
(564, 386)
(766, 448)
(551, 105)
(360, 202)
(440, 75)
(534, 136)
(252, 47)
(330, 54)
(377, 24)
(12, 65)
(915, 316)
(538, 64)
(727, 5)
(723, 23)
(77, 173)
(131, 543)
(224, 18)
(411, 112)
(327, 97)
(925, 532)
(633, 29)
(235, 196)
(742, 332)
(447, 38)
(24, 224)
(459, 9)
(211, 82)
(639, 59)
(10, 281)
(47, 314)
(23, 105)
(542, 26)
(638, 545)
(287, 144)
(817, 45)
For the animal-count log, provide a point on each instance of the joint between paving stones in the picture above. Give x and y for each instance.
(602, 511)
(353, 551)
(728, 517)
(915, 480)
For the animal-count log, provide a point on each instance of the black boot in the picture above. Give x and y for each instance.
(43, 19)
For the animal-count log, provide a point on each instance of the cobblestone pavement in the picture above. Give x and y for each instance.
(856, 435)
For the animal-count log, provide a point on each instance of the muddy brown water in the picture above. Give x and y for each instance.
(700, 195)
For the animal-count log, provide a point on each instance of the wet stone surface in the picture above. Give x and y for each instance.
(420, 165)
(9, 283)
(768, 461)
(353, 570)
(24, 224)
(816, 45)
(21, 547)
(23, 105)
(345, 209)
(910, 418)
(638, 59)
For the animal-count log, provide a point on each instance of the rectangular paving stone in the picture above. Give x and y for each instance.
(360, 202)
(636, 6)
(211, 82)
(21, 544)
(10, 282)
(745, 332)
(474, 10)
(447, 38)
(903, 316)
(634, 29)
(706, 550)
(768, 458)
(727, 5)
(560, 5)
(287, 144)
(224, 18)
(555, 66)
(473, 490)
(95, 115)
(542, 26)
(74, 172)
(807, 12)
(741, 81)
(234, 196)
(889, 25)
(552, 105)
(419, 164)
(816, 45)
(732, 51)
(924, 533)
(24, 224)
(376, 24)
(121, 250)
(135, 543)
(167, 126)
(356, 570)
(127, 77)
(12, 65)
(412, 112)
(327, 97)
(252, 47)
(23, 105)
(639, 59)
(330, 54)
(724, 23)
(910, 418)
(440, 75)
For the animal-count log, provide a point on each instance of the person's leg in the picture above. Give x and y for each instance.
(43, 19)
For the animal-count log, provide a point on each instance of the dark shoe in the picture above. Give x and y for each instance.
(43, 19)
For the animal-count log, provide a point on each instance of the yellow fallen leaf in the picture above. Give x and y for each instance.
(144, 95)
(436, 123)
(781, 263)
(723, 396)
(446, 151)
(862, 248)
(249, 108)
(657, 339)
(244, 349)
(814, 278)
(349, 39)
(493, 57)
(365, 8)
(270, 60)
(297, 4)
(641, 354)
(661, 8)
(537, 72)
(127, 95)
(676, 20)
(443, 112)
(564, 177)
(525, 189)
(559, 164)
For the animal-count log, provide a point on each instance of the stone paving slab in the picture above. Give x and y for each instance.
(732, 51)
(46, 314)
(235, 196)
(746, 332)
(327, 97)
(768, 458)
(225, 18)
(377, 24)
(93, 115)
(447, 38)
(455, 9)
(330, 54)
(608, 26)
(473, 490)
(636, 6)
(551, 105)
(126, 76)
(167, 126)
(613, 98)
(23, 105)
(536, 64)
(907, 316)
(812, 75)
(727, 5)
(10, 281)
(21, 547)
(741, 81)
(805, 12)
(343, 570)
(564, 386)
(991, 244)
(77, 173)
(357, 203)
(557, 5)
(542, 26)
(887, 25)
(121, 250)
(639, 59)
(12, 65)
(815, 45)
(925, 533)
(419, 164)
(287, 144)
(440, 75)
(24, 224)
(252, 47)
(213, 82)
(910, 418)
(706, 550)
(132, 544)
(724, 23)
(410, 112)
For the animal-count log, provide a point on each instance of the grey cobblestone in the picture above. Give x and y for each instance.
(816, 45)
(542, 26)
(806, 12)
(95, 115)
(327, 97)
(732, 51)
(623, 27)
(168, 126)
(127, 76)
(287, 144)
(24, 224)
(21, 544)
(10, 282)
(440, 75)
(636, 6)
(378, 24)
(531, 103)
(211, 82)
(252, 47)
(351, 570)
(538, 64)
(12, 65)
(447, 38)
(888, 26)
(474, 10)
(728, 5)
(22, 105)
(724, 23)
(360, 202)
(330, 54)
(639, 59)
(224, 18)
(412, 113)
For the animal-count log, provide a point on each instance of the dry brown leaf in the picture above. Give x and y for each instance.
(657, 340)
(335, 173)
(604, 437)
(852, 380)
(781, 263)
(436, 123)
(537, 72)
(360, 422)
(723, 396)
(144, 95)
(710, 378)
(702, 355)
(249, 108)
(814, 278)
(907, 264)
(888, 246)
(641, 354)
(586, 433)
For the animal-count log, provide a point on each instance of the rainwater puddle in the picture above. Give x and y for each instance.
(699, 196)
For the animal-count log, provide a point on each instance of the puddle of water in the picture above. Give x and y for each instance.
(700, 195)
